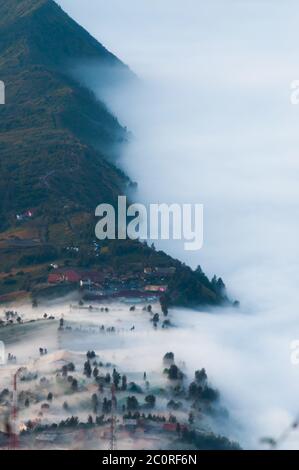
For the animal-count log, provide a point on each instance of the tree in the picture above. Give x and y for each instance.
(95, 402)
(100, 420)
(27, 404)
(116, 378)
(168, 358)
(64, 371)
(193, 390)
(209, 394)
(132, 403)
(90, 420)
(166, 324)
(133, 387)
(164, 307)
(91, 355)
(87, 369)
(95, 372)
(174, 373)
(50, 396)
(65, 406)
(201, 377)
(74, 385)
(218, 285)
(107, 406)
(174, 405)
(150, 401)
(124, 383)
(221, 288)
(71, 367)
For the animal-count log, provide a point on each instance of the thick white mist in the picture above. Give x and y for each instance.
(213, 124)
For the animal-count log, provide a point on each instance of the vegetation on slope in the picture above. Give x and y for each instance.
(57, 154)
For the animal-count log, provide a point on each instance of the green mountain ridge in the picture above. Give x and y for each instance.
(29, 23)
(58, 145)
(10, 11)
(50, 121)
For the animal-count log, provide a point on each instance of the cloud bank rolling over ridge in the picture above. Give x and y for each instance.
(213, 124)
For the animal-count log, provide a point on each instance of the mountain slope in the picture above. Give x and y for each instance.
(58, 145)
(50, 122)
(48, 35)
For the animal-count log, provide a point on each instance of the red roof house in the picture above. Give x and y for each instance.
(170, 427)
(72, 276)
(55, 278)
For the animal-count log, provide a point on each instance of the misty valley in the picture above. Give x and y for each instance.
(87, 365)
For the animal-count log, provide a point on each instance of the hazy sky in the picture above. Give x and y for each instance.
(214, 125)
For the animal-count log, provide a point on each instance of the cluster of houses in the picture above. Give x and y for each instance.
(75, 276)
(25, 216)
(158, 425)
(148, 285)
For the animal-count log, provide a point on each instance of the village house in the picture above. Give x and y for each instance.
(173, 427)
(55, 278)
(170, 271)
(25, 216)
(160, 271)
(130, 424)
(94, 277)
(71, 276)
(155, 288)
(135, 295)
(47, 437)
(75, 276)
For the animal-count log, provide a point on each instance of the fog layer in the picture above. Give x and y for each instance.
(213, 124)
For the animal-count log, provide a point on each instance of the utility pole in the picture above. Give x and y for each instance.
(113, 441)
(14, 431)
